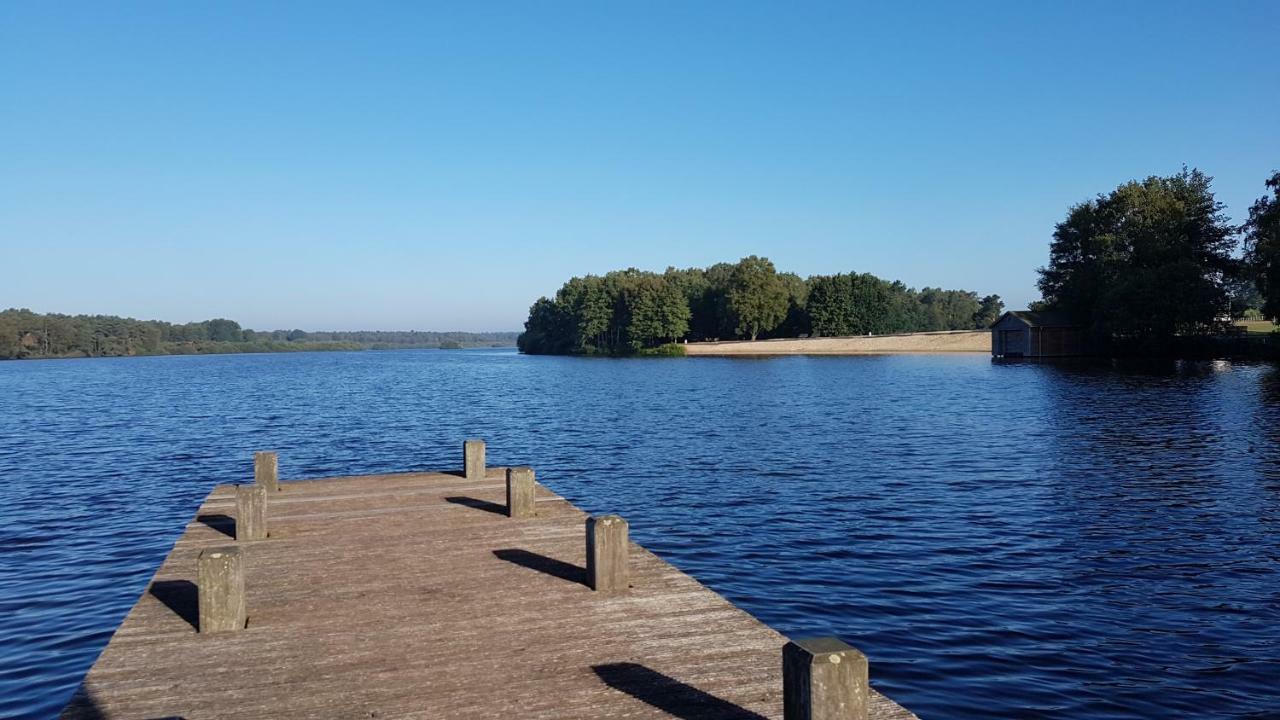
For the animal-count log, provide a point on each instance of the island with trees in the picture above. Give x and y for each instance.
(637, 312)
(1153, 267)
(28, 335)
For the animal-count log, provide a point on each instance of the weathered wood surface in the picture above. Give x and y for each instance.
(414, 596)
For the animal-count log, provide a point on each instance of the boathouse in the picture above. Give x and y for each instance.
(1023, 333)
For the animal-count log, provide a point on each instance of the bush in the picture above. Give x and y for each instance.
(668, 350)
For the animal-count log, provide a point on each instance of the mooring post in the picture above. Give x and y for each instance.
(220, 583)
(520, 491)
(823, 679)
(266, 470)
(473, 459)
(251, 512)
(607, 548)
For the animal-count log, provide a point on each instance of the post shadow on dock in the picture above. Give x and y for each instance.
(180, 596)
(221, 522)
(669, 695)
(543, 564)
(477, 504)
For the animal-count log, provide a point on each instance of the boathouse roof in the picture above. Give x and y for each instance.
(1039, 318)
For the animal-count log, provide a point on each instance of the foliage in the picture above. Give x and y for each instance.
(757, 297)
(623, 312)
(25, 334)
(1262, 247)
(636, 312)
(667, 350)
(849, 304)
(990, 308)
(1242, 292)
(1148, 260)
(861, 304)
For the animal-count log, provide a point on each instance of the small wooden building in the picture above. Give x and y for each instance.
(1023, 333)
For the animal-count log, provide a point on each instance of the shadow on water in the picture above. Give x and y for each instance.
(668, 694)
(224, 524)
(181, 597)
(478, 504)
(543, 564)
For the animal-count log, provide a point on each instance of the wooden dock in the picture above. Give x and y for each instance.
(415, 596)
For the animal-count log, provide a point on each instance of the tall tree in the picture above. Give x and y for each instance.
(990, 308)
(546, 330)
(830, 306)
(1147, 260)
(656, 312)
(223, 330)
(1262, 247)
(10, 336)
(796, 322)
(756, 298)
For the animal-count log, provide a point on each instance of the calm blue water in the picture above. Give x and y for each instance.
(1002, 540)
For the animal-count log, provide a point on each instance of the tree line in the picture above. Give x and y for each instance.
(1158, 258)
(26, 334)
(635, 311)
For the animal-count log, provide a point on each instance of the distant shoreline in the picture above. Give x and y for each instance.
(27, 335)
(259, 349)
(922, 343)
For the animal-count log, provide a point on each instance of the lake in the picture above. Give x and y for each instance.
(1002, 540)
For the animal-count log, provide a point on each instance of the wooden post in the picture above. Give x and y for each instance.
(520, 492)
(473, 459)
(607, 548)
(251, 512)
(266, 470)
(220, 579)
(823, 679)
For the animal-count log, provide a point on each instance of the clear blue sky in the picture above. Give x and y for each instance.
(398, 166)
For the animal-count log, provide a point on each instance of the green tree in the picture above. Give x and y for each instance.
(990, 308)
(590, 309)
(708, 303)
(830, 306)
(546, 330)
(223, 330)
(10, 335)
(851, 304)
(1262, 247)
(905, 312)
(796, 322)
(1147, 260)
(948, 309)
(656, 312)
(1243, 292)
(756, 298)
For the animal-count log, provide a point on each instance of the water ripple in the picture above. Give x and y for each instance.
(1003, 540)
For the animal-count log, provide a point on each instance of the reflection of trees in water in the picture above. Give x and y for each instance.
(1270, 384)
(1266, 418)
(1129, 447)
(1158, 432)
(1105, 408)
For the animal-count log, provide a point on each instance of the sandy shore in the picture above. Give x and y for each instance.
(962, 341)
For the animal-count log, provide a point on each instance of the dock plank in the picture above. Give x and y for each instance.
(413, 596)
